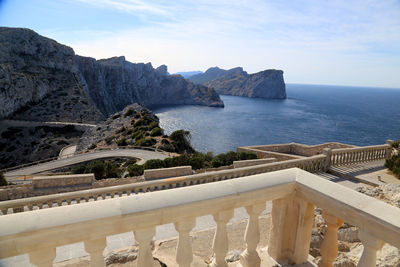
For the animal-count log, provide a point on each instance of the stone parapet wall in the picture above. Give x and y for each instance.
(252, 162)
(268, 154)
(281, 151)
(62, 180)
(27, 190)
(167, 172)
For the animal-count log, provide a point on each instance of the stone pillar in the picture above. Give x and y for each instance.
(43, 257)
(144, 238)
(329, 246)
(250, 257)
(290, 234)
(371, 245)
(95, 248)
(220, 244)
(328, 153)
(184, 254)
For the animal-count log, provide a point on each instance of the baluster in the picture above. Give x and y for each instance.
(329, 246)
(371, 245)
(184, 254)
(95, 248)
(220, 244)
(4, 211)
(43, 257)
(144, 237)
(250, 257)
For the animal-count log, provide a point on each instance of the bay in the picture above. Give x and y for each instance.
(312, 114)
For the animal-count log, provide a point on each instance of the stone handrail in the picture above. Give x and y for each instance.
(311, 164)
(294, 194)
(345, 156)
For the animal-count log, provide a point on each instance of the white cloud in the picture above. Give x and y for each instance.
(337, 42)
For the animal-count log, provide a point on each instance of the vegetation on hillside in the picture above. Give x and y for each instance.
(3, 180)
(393, 163)
(101, 169)
(196, 160)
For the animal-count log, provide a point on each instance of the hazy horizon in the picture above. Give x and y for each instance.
(345, 43)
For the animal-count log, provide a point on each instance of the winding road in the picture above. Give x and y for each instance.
(143, 155)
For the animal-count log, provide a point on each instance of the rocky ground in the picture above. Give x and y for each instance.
(19, 145)
(133, 126)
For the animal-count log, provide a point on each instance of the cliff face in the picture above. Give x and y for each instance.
(264, 84)
(118, 83)
(41, 79)
(34, 68)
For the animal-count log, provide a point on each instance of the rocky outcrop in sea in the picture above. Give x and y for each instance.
(41, 79)
(264, 84)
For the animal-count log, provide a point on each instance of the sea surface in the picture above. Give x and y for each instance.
(312, 114)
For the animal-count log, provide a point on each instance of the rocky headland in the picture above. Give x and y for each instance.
(40, 79)
(264, 84)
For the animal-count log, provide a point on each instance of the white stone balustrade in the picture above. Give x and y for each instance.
(294, 193)
(346, 156)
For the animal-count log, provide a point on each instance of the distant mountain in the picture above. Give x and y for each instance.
(263, 84)
(41, 79)
(187, 74)
(207, 76)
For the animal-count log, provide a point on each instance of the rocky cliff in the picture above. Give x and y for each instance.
(37, 79)
(263, 84)
(115, 83)
(41, 79)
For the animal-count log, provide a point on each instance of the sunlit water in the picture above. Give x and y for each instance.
(312, 114)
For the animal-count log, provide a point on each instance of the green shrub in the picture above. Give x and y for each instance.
(79, 169)
(156, 131)
(135, 170)
(153, 125)
(393, 164)
(246, 155)
(129, 112)
(165, 142)
(396, 144)
(96, 167)
(111, 170)
(168, 148)
(92, 146)
(3, 181)
(140, 122)
(130, 162)
(154, 164)
(122, 142)
(181, 140)
(216, 162)
(145, 142)
(116, 116)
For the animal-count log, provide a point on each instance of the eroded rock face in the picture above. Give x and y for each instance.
(33, 67)
(115, 83)
(264, 84)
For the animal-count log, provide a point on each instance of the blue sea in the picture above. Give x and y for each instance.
(312, 114)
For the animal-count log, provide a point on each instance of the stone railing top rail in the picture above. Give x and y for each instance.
(357, 149)
(25, 232)
(162, 183)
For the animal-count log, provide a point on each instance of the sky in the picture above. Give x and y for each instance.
(337, 42)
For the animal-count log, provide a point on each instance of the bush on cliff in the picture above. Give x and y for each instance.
(393, 164)
(3, 181)
(154, 164)
(100, 169)
(135, 170)
(181, 140)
